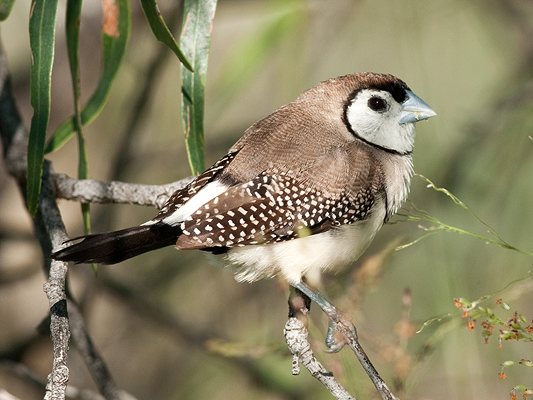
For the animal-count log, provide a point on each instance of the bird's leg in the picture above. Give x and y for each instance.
(299, 304)
(333, 341)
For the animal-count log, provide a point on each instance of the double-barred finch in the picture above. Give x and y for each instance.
(303, 191)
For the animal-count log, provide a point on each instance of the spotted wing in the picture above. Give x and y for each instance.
(271, 208)
(181, 196)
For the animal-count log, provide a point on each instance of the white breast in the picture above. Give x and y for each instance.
(398, 170)
(309, 255)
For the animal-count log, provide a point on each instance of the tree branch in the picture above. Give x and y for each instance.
(48, 226)
(347, 329)
(23, 372)
(296, 337)
(51, 234)
(92, 357)
(91, 191)
(299, 304)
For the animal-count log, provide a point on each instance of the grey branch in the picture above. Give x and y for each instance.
(23, 372)
(296, 337)
(92, 357)
(299, 303)
(91, 191)
(48, 226)
(347, 329)
(51, 233)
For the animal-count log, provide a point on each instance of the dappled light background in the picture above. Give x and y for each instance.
(173, 326)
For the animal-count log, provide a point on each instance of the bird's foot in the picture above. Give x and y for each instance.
(339, 334)
(341, 331)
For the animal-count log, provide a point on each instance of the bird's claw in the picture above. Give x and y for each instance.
(335, 338)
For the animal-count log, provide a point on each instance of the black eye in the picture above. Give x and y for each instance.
(377, 104)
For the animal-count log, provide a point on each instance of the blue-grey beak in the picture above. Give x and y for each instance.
(415, 109)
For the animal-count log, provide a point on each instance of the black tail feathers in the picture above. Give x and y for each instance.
(114, 247)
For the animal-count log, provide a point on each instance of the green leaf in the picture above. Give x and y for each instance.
(114, 47)
(161, 31)
(421, 215)
(73, 16)
(73, 35)
(42, 39)
(5, 8)
(195, 41)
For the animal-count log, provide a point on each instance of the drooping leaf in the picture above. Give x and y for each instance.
(5, 8)
(161, 31)
(195, 41)
(73, 17)
(73, 33)
(115, 35)
(42, 39)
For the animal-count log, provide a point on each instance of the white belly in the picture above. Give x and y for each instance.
(327, 251)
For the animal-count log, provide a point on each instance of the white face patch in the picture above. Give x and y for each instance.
(375, 116)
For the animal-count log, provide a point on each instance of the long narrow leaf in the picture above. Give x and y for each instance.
(161, 31)
(5, 8)
(73, 35)
(73, 17)
(195, 41)
(42, 40)
(416, 214)
(114, 46)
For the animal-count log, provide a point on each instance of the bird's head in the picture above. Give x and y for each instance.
(382, 110)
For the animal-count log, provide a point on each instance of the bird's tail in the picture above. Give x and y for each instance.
(114, 247)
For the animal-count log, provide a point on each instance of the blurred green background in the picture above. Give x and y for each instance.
(172, 326)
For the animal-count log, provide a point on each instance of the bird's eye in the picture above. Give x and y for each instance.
(377, 104)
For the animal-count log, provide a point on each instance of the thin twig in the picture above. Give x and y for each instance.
(92, 191)
(296, 337)
(341, 325)
(92, 357)
(50, 232)
(23, 372)
(347, 329)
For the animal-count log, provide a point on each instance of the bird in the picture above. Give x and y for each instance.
(303, 191)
